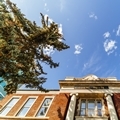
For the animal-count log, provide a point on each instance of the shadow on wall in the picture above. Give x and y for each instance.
(116, 100)
(60, 113)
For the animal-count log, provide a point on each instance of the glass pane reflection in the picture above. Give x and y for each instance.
(99, 104)
(82, 112)
(44, 107)
(91, 112)
(91, 104)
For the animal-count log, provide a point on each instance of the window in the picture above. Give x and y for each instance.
(43, 109)
(26, 107)
(91, 107)
(8, 107)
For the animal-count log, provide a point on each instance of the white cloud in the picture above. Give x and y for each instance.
(49, 50)
(118, 31)
(78, 49)
(60, 29)
(92, 15)
(106, 35)
(109, 46)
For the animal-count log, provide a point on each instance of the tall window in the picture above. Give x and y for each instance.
(91, 107)
(26, 107)
(8, 107)
(43, 109)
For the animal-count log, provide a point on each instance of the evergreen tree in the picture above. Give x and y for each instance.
(22, 47)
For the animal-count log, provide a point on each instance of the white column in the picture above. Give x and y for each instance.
(71, 108)
(111, 108)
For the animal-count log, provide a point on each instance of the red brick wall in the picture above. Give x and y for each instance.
(56, 112)
(116, 100)
(59, 106)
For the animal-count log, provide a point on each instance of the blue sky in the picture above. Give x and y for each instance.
(91, 29)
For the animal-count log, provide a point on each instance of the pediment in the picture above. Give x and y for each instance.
(91, 77)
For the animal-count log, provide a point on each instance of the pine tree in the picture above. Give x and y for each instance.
(22, 48)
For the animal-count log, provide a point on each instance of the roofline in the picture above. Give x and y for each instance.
(37, 90)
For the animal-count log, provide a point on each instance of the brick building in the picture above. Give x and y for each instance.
(87, 98)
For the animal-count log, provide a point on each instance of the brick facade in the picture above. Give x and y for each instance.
(57, 109)
(116, 100)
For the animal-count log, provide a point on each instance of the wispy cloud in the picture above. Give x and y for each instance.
(110, 73)
(93, 60)
(92, 15)
(118, 31)
(106, 34)
(109, 46)
(78, 49)
(45, 7)
(62, 5)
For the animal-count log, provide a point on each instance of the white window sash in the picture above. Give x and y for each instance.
(95, 109)
(8, 107)
(20, 112)
(42, 106)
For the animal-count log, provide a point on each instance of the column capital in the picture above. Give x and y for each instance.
(106, 94)
(76, 94)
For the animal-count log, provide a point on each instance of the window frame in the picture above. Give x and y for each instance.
(5, 105)
(96, 109)
(23, 106)
(52, 97)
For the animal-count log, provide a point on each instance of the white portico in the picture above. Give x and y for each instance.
(91, 97)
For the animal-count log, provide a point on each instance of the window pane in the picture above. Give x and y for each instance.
(42, 111)
(26, 107)
(99, 104)
(91, 112)
(23, 111)
(13, 102)
(82, 112)
(5, 111)
(44, 107)
(8, 107)
(83, 103)
(29, 102)
(99, 112)
(91, 104)
(47, 101)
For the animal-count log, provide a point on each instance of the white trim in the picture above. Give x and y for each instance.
(34, 118)
(36, 92)
(41, 106)
(17, 112)
(9, 102)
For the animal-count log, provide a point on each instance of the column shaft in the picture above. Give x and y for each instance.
(71, 108)
(111, 108)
